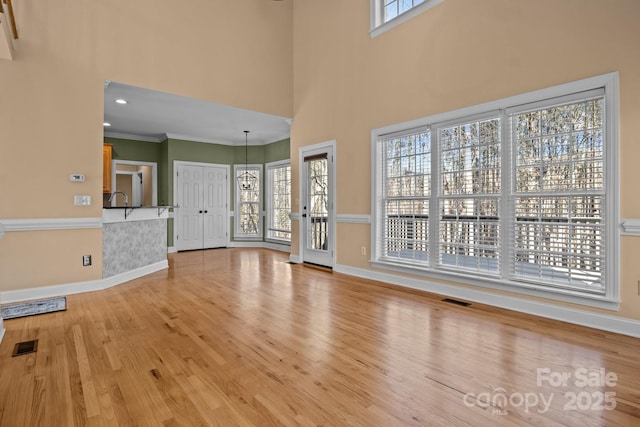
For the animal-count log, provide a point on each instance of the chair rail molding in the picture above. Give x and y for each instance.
(630, 227)
(354, 218)
(50, 223)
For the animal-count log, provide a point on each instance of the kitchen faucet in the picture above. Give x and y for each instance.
(126, 198)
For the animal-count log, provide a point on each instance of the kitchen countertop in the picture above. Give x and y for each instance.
(134, 213)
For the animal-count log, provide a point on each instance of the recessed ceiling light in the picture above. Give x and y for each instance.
(106, 124)
(121, 101)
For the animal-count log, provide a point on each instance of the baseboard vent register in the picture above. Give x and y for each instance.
(456, 302)
(30, 308)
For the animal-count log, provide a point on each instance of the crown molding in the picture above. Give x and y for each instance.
(134, 137)
(165, 136)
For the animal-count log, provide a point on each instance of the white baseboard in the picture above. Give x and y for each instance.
(277, 247)
(603, 322)
(79, 287)
(296, 259)
(134, 274)
(246, 244)
(2, 330)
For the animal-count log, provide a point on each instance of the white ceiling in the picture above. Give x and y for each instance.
(154, 116)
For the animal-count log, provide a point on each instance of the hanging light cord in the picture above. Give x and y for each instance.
(246, 150)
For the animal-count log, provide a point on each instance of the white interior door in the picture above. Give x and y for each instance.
(318, 232)
(189, 218)
(136, 189)
(216, 214)
(202, 217)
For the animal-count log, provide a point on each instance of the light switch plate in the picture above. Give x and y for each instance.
(76, 177)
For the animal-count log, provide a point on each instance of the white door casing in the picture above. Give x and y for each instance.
(317, 195)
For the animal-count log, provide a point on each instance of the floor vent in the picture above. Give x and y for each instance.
(456, 302)
(25, 347)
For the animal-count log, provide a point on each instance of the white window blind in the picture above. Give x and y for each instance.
(248, 205)
(517, 194)
(279, 202)
(470, 195)
(559, 194)
(407, 190)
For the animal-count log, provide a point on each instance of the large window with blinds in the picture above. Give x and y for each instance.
(279, 201)
(519, 193)
(248, 212)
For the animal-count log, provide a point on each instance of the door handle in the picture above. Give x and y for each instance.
(199, 211)
(206, 211)
(304, 215)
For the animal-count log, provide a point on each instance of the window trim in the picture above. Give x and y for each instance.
(377, 24)
(608, 300)
(237, 233)
(269, 199)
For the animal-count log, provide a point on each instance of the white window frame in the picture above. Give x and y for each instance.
(238, 234)
(378, 24)
(270, 198)
(607, 300)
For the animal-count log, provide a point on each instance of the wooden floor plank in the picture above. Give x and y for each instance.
(240, 337)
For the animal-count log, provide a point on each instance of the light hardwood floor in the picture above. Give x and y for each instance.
(241, 337)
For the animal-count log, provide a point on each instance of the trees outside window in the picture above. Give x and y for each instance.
(521, 196)
(279, 201)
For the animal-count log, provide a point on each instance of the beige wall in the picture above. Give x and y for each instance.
(237, 53)
(458, 54)
(339, 85)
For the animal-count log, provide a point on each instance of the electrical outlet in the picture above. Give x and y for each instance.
(363, 251)
(86, 260)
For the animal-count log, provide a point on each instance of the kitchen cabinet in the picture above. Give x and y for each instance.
(107, 150)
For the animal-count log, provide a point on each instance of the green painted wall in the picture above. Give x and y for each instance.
(277, 151)
(125, 149)
(190, 151)
(166, 152)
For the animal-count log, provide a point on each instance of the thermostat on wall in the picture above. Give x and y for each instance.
(76, 177)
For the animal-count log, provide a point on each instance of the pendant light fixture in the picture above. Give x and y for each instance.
(246, 180)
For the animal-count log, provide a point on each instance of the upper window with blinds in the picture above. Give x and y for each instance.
(386, 14)
(522, 196)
